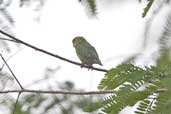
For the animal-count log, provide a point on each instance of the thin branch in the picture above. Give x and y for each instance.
(69, 92)
(11, 71)
(6, 39)
(9, 58)
(49, 53)
(57, 92)
(15, 106)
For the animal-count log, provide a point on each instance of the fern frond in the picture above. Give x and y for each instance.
(146, 104)
(125, 96)
(132, 84)
(115, 77)
(163, 104)
(94, 106)
(124, 73)
(164, 64)
(147, 8)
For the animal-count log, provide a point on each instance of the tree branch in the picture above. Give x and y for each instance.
(49, 53)
(11, 71)
(57, 92)
(6, 39)
(9, 58)
(70, 92)
(15, 106)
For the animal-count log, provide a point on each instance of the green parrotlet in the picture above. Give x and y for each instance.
(85, 52)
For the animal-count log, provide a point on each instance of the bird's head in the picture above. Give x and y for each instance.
(78, 40)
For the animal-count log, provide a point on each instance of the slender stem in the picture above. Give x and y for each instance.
(57, 92)
(5, 39)
(70, 92)
(11, 71)
(15, 106)
(49, 53)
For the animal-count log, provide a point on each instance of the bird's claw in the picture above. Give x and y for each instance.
(82, 65)
(90, 68)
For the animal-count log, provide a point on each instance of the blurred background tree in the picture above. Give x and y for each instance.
(30, 103)
(67, 104)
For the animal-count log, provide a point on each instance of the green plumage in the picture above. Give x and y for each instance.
(85, 51)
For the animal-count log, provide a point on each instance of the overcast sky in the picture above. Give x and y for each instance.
(116, 33)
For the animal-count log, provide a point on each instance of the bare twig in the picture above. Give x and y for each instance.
(15, 106)
(57, 92)
(10, 58)
(69, 92)
(6, 39)
(11, 71)
(49, 53)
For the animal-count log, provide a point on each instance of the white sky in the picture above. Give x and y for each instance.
(116, 33)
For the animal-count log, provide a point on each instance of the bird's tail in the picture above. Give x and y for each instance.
(100, 63)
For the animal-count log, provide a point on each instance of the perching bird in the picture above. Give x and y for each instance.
(85, 52)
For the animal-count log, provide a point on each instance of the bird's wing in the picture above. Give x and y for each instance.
(87, 54)
(93, 55)
(82, 52)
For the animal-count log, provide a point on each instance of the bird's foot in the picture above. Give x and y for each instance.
(82, 65)
(90, 67)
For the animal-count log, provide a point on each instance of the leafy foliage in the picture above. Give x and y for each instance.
(51, 104)
(42, 103)
(132, 84)
(150, 86)
(127, 78)
(92, 6)
(146, 9)
(163, 104)
(164, 40)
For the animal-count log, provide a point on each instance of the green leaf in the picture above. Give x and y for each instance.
(93, 106)
(92, 6)
(163, 104)
(147, 8)
(166, 82)
(127, 80)
(116, 76)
